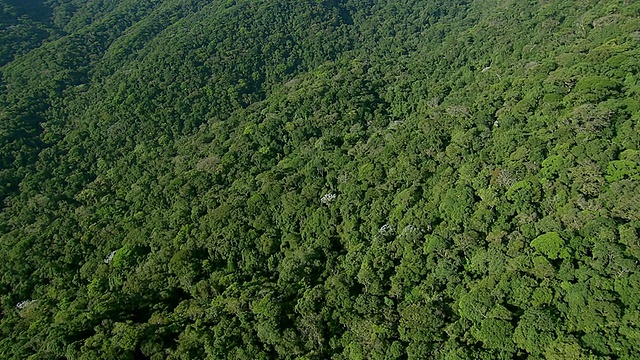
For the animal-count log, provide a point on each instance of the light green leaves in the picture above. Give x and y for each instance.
(551, 245)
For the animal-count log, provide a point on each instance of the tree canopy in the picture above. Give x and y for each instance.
(335, 179)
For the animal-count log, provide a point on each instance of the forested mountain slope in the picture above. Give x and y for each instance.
(326, 179)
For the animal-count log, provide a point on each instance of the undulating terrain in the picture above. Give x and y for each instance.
(322, 179)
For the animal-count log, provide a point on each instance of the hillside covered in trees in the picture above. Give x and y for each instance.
(323, 179)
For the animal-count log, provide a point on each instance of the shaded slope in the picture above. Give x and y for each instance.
(483, 158)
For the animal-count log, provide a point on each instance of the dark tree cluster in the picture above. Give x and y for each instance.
(324, 179)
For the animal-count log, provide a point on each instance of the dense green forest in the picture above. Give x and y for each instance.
(322, 179)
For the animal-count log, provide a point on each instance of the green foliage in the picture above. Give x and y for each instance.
(340, 179)
(551, 245)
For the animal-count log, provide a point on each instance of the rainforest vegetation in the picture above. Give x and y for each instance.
(321, 179)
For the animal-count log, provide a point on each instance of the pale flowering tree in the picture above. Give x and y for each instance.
(23, 304)
(109, 257)
(328, 198)
(387, 230)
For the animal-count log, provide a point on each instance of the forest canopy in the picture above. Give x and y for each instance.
(325, 179)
